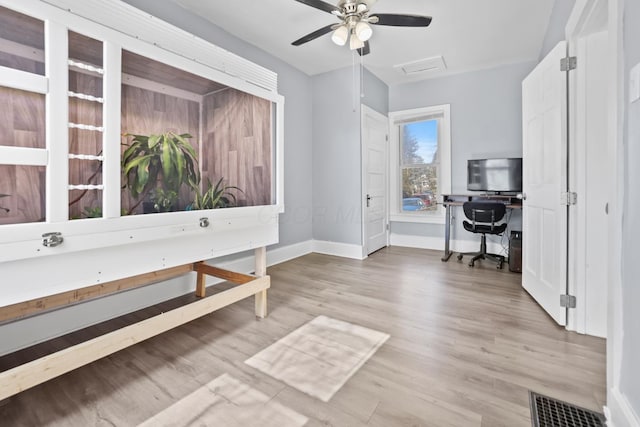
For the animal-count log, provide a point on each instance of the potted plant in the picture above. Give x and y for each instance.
(164, 200)
(214, 197)
(157, 163)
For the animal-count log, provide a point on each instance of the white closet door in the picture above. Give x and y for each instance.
(374, 149)
(544, 255)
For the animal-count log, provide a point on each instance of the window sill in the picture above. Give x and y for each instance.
(436, 218)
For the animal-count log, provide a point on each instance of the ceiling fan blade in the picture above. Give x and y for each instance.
(319, 4)
(400, 20)
(312, 36)
(366, 50)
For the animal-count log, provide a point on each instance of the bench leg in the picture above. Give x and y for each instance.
(201, 285)
(261, 270)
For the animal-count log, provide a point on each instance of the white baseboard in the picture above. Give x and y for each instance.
(437, 243)
(289, 252)
(419, 242)
(274, 256)
(344, 250)
(619, 411)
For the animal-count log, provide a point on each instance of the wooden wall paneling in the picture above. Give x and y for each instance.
(28, 114)
(21, 28)
(89, 84)
(22, 118)
(6, 117)
(238, 144)
(208, 135)
(22, 124)
(246, 180)
(232, 173)
(145, 112)
(25, 188)
(24, 30)
(23, 64)
(8, 198)
(85, 49)
(266, 144)
(139, 66)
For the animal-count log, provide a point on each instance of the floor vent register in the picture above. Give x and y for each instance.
(549, 412)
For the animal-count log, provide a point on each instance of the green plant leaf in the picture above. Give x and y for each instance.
(135, 162)
(166, 160)
(153, 140)
(170, 158)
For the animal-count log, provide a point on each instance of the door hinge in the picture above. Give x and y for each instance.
(386, 138)
(569, 198)
(569, 63)
(568, 301)
(388, 227)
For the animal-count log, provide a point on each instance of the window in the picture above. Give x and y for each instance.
(421, 166)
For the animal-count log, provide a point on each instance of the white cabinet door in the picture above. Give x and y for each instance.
(544, 113)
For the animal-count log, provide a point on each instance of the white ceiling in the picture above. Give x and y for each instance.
(469, 34)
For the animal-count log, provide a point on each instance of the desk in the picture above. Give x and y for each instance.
(449, 200)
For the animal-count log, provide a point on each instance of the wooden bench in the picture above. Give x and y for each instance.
(30, 374)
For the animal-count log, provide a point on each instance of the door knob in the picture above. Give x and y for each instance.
(368, 200)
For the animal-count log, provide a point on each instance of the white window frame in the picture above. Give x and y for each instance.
(398, 118)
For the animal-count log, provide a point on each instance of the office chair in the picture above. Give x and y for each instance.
(484, 217)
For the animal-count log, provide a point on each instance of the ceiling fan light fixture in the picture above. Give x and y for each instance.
(363, 31)
(355, 42)
(340, 35)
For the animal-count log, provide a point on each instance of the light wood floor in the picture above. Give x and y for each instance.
(466, 344)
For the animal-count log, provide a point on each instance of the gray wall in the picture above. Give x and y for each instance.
(337, 209)
(375, 93)
(486, 121)
(557, 23)
(295, 86)
(337, 176)
(629, 378)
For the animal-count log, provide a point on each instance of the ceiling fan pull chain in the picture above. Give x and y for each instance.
(354, 86)
(361, 76)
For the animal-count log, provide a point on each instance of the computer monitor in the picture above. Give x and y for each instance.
(495, 175)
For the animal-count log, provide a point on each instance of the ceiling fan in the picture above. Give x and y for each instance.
(354, 27)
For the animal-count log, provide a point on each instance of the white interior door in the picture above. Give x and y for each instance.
(375, 130)
(544, 222)
(591, 172)
(589, 153)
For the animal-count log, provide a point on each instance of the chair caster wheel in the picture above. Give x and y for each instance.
(460, 257)
(471, 264)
